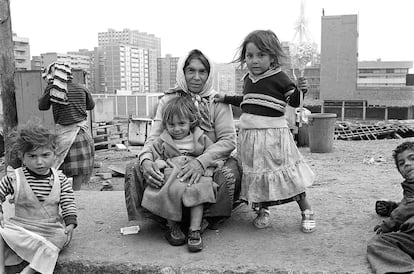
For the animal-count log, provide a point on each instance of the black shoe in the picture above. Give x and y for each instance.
(194, 241)
(384, 208)
(174, 235)
(215, 222)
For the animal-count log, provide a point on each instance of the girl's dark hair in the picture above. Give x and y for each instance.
(400, 149)
(31, 137)
(197, 54)
(183, 107)
(266, 41)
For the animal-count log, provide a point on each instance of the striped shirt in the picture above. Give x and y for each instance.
(266, 96)
(41, 187)
(80, 100)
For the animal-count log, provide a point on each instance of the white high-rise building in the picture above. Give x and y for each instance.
(126, 68)
(21, 52)
(138, 40)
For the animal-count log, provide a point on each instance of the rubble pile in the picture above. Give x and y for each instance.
(390, 129)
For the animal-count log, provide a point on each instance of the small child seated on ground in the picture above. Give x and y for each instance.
(45, 211)
(392, 250)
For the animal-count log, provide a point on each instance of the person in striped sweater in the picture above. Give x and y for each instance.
(75, 148)
(45, 210)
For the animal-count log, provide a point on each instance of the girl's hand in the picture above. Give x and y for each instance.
(152, 174)
(192, 170)
(219, 97)
(303, 84)
(69, 232)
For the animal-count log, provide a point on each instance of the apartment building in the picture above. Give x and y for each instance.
(36, 63)
(126, 68)
(21, 52)
(224, 80)
(136, 39)
(360, 90)
(383, 73)
(166, 72)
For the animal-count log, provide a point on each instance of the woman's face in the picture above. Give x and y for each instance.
(196, 76)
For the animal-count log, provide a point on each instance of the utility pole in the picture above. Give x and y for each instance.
(7, 70)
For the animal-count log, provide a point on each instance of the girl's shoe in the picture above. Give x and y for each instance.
(308, 221)
(263, 218)
(174, 235)
(194, 241)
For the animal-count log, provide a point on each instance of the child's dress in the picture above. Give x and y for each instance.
(274, 171)
(36, 232)
(168, 201)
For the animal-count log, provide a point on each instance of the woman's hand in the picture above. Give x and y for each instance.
(192, 170)
(303, 84)
(152, 174)
(219, 97)
(69, 232)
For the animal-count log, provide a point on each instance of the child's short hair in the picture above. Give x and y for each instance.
(33, 136)
(400, 149)
(183, 107)
(266, 41)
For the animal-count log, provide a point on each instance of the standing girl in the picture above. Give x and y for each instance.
(37, 231)
(274, 171)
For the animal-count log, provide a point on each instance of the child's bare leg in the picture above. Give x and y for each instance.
(196, 214)
(28, 270)
(2, 259)
(304, 204)
(308, 221)
(194, 240)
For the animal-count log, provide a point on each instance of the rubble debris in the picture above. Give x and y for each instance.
(390, 129)
(106, 186)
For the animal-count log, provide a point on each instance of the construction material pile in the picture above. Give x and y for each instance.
(390, 129)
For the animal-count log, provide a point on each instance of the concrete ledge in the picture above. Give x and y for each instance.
(237, 247)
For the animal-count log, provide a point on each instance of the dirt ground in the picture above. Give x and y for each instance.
(348, 182)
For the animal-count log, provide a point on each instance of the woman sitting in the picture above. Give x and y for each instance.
(195, 79)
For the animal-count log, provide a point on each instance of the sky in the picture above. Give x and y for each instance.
(217, 27)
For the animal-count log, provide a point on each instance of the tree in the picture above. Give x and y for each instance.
(7, 70)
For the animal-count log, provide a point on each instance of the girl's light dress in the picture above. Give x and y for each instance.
(36, 232)
(273, 168)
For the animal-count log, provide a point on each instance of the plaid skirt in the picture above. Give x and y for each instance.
(80, 157)
(274, 171)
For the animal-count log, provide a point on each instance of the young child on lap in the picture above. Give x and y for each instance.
(181, 141)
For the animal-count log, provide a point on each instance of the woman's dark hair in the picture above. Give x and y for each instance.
(266, 41)
(182, 107)
(400, 149)
(197, 54)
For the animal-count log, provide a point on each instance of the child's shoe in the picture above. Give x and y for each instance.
(174, 235)
(263, 218)
(194, 241)
(308, 221)
(384, 208)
